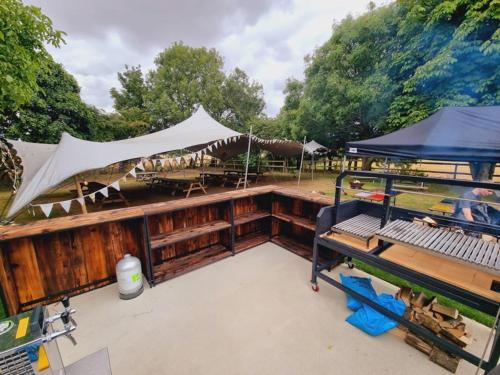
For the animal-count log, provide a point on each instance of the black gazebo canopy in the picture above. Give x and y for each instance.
(453, 133)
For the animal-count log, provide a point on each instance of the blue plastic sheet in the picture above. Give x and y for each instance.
(361, 285)
(371, 321)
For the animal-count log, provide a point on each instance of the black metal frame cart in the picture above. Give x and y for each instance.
(331, 215)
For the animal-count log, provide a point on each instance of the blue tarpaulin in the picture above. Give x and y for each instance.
(365, 317)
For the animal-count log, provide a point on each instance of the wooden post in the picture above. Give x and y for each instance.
(248, 158)
(80, 194)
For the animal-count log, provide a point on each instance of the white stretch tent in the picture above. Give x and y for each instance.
(45, 166)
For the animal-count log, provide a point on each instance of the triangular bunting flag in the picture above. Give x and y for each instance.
(140, 166)
(132, 172)
(178, 160)
(155, 161)
(162, 162)
(116, 185)
(81, 200)
(66, 205)
(225, 141)
(124, 178)
(46, 208)
(104, 191)
(92, 197)
(209, 148)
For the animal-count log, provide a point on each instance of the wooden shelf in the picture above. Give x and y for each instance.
(251, 216)
(175, 267)
(296, 220)
(294, 246)
(250, 240)
(188, 233)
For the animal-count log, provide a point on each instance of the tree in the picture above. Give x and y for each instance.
(133, 91)
(396, 65)
(243, 100)
(184, 77)
(55, 107)
(290, 115)
(24, 31)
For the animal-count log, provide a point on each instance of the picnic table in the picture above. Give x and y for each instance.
(145, 176)
(237, 177)
(114, 196)
(176, 186)
(376, 195)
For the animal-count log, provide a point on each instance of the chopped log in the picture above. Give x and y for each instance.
(409, 314)
(428, 322)
(419, 300)
(418, 343)
(438, 316)
(450, 312)
(444, 359)
(405, 294)
(430, 222)
(429, 304)
(451, 337)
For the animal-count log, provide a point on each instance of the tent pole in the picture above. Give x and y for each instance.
(248, 158)
(301, 161)
(80, 194)
(312, 168)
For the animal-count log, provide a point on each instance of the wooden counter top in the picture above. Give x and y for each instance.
(9, 232)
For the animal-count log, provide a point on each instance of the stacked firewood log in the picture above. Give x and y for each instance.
(441, 320)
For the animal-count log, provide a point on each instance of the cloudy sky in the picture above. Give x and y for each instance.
(266, 38)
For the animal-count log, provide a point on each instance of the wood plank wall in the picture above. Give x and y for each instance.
(44, 266)
(43, 260)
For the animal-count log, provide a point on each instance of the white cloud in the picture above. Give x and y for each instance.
(266, 38)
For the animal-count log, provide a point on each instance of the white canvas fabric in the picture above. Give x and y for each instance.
(314, 147)
(45, 166)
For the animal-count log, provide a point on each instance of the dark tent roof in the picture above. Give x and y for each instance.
(452, 133)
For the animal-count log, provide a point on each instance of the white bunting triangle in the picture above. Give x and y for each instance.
(92, 197)
(66, 205)
(132, 172)
(209, 148)
(162, 162)
(178, 160)
(140, 166)
(81, 200)
(46, 208)
(104, 191)
(116, 185)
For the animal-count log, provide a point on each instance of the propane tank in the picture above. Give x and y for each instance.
(129, 277)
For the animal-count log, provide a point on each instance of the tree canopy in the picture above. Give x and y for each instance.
(183, 78)
(54, 108)
(24, 31)
(396, 65)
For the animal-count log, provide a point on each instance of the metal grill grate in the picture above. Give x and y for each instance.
(16, 363)
(456, 245)
(362, 226)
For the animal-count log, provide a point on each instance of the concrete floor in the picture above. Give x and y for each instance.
(253, 313)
